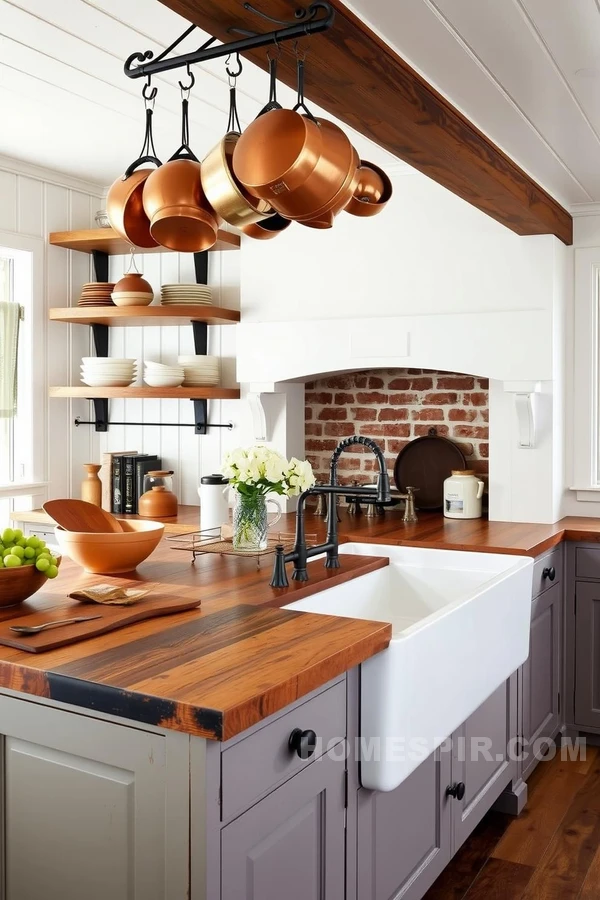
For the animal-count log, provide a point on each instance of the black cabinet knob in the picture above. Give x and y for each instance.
(456, 790)
(549, 573)
(303, 742)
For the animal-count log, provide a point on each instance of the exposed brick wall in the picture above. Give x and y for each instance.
(394, 406)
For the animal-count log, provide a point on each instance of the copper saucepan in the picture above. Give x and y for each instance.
(267, 228)
(124, 201)
(181, 217)
(372, 192)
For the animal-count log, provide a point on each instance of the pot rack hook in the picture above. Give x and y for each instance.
(186, 88)
(234, 73)
(148, 92)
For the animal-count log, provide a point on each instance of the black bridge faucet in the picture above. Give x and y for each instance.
(377, 493)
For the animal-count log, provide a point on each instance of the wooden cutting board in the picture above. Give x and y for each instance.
(158, 603)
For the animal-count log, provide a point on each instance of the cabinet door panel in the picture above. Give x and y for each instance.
(404, 835)
(587, 654)
(480, 759)
(291, 844)
(86, 808)
(541, 675)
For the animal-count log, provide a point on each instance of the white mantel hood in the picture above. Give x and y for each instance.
(507, 346)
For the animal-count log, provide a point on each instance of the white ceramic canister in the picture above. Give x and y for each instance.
(214, 505)
(462, 495)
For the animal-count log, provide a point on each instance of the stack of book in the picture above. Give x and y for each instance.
(122, 476)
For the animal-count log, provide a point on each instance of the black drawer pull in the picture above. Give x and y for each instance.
(549, 573)
(456, 790)
(303, 743)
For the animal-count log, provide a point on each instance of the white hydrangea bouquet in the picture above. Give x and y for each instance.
(253, 473)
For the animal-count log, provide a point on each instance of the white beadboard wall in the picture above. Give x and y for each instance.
(188, 454)
(34, 202)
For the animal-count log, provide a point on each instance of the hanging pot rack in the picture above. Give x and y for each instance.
(313, 19)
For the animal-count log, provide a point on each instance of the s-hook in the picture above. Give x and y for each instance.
(187, 87)
(238, 62)
(148, 92)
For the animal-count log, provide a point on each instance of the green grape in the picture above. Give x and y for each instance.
(6, 552)
(33, 541)
(18, 534)
(8, 536)
(42, 565)
(52, 571)
(12, 561)
(22, 542)
(1, 563)
(29, 553)
(29, 562)
(42, 544)
(17, 551)
(43, 554)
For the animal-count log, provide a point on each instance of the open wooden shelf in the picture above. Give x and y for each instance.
(144, 315)
(108, 241)
(149, 393)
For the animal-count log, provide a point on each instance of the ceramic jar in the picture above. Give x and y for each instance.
(214, 505)
(462, 495)
(158, 500)
(91, 486)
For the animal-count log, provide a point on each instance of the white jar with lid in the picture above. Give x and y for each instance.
(462, 495)
(214, 505)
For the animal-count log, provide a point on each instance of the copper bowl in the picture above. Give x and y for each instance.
(226, 195)
(373, 190)
(267, 229)
(125, 208)
(181, 217)
(277, 153)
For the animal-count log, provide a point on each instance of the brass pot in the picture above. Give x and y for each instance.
(181, 217)
(267, 229)
(372, 192)
(224, 192)
(125, 208)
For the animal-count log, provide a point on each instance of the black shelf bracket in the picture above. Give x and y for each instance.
(200, 332)
(100, 336)
(200, 416)
(313, 19)
(100, 414)
(100, 259)
(201, 266)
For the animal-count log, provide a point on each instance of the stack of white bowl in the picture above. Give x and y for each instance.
(200, 370)
(99, 371)
(161, 375)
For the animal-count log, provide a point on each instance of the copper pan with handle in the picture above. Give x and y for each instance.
(372, 192)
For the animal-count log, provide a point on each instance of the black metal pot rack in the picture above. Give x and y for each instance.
(313, 19)
(100, 336)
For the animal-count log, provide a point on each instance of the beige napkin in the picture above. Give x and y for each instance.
(109, 595)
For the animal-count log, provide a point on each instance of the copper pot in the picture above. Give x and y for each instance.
(372, 192)
(224, 192)
(125, 208)
(180, 216)
(267, 229)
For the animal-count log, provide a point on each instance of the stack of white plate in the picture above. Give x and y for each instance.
(200, 370)
(161, 375)
(98, 371)
(185, 295)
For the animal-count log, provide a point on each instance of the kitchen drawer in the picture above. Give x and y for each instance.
(587, 562)
(260, 762)
(543, 571)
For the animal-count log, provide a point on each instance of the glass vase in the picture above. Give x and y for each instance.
(250, 522)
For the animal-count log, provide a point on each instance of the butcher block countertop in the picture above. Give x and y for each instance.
(211, 672)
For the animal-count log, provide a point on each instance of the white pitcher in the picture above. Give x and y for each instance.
(462, 495)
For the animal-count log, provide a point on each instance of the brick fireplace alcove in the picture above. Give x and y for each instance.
(394, 406)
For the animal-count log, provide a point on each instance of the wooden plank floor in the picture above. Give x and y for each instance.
(550, 852)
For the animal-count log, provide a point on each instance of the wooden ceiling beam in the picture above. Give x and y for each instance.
(356, 77)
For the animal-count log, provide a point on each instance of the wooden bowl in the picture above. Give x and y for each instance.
(17, 584)
(111, 554)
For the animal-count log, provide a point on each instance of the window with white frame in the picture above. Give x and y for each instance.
(21, 440)
(586, 375)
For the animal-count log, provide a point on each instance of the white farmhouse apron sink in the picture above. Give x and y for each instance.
(460, 628)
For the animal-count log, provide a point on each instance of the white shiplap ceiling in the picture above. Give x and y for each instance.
(526, 72)
(66, 104)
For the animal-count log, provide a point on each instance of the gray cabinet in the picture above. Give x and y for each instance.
(587, 654)
(540, 677)
(292, 843)
(481, 759)
(404, 835)
(86, 808)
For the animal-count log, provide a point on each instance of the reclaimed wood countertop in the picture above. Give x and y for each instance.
(238, 659)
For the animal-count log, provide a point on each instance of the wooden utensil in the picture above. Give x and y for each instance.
(77, 515)
(35, 629)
